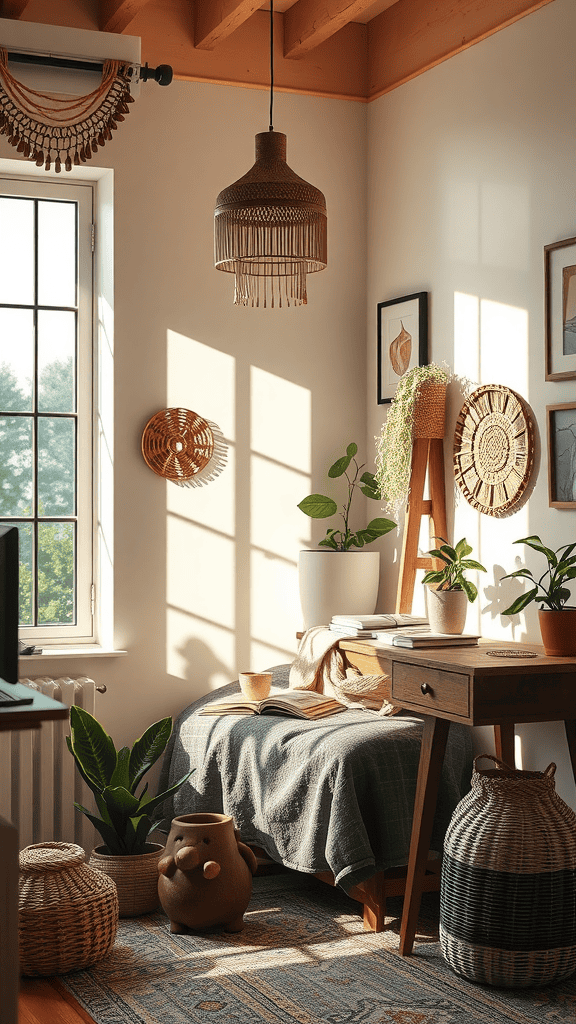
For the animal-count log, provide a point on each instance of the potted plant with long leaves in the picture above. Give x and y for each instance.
(449, 590)
(556, 618)
(340, 576)
(126, 815)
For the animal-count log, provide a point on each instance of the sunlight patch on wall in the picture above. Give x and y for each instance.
(280, 420)
(202, 379)
(467, 336)
(191, 643)
(277, 524)
(275, 612)
(200, 578)
(504, 346)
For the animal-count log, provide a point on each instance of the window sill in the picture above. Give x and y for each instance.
(72, 652)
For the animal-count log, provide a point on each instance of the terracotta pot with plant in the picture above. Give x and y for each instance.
(448, 589)
(557, 620)
(126, 816)
(339, 576)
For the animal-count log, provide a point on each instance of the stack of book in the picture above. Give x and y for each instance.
(369, 627)
(398, 631)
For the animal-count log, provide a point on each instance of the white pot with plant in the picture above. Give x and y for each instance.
(126, 817)
(556, 618)
(448, 590)
(339, 577)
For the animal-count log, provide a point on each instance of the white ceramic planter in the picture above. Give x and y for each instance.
(337, 583)
(446, 610)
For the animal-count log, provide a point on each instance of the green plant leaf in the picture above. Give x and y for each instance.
(439, 553)
(462, 548)
(318, 506)
(107, 832)
(147, 750)
(329, 540)
(470, 563)
(521, 602)
(121, 775)
(536, 544)
(352, 449)
(519, 572)
(340, 466)
(469, 589)
(155, 801)
(92, 748)
(380, 527)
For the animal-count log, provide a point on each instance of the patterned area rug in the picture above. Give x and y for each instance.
(303, 958)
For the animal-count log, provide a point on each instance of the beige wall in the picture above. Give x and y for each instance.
(205, 578)
(471, 172)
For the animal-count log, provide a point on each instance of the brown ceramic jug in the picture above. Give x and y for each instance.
(205, 875)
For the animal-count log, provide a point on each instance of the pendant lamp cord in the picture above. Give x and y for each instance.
(270, 127)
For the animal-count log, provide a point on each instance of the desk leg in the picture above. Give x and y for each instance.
(504, 744)
(570, 726)
(431, 759)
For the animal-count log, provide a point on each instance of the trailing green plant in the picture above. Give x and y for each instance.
(318, 506)
(114, 776)
(394, 444)
(561, 569)
(456, 563)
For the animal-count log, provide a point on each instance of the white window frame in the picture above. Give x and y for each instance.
(83, 193)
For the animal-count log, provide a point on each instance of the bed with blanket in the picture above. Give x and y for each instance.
(331, 797)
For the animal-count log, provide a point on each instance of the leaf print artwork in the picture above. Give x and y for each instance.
(400, 351)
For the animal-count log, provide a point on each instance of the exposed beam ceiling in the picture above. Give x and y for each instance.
(351, 49)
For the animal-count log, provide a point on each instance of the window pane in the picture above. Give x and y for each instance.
(56, 466)
(56, 254)
(16, 359)
(56, 543)
(15, 466)
(17, 251)
(56, 360)
(25, 544)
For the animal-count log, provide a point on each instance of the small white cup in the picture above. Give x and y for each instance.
(255, 685)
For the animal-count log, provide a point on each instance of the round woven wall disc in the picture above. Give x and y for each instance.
(493, 449)
(177, 444)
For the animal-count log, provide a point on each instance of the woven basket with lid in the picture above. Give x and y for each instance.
(508, 889)
(68, 911)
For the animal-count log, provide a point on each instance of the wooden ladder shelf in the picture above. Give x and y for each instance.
(427, 455)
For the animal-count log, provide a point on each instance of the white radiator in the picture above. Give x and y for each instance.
(39, 781)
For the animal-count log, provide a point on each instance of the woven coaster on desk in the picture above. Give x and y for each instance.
(505, 653)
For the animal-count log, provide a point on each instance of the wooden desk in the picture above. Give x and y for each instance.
(468, 685)
(24, 716)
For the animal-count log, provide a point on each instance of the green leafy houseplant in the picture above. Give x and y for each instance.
(550, 589)
(452, 574)
(394, 444)
(318, 506)
(114, 776)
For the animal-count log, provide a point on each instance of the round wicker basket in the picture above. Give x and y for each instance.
(508, 887)
(430, 411)
(68, 912)
(135, 877)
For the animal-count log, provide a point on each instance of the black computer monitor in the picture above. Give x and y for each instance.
(9, 603)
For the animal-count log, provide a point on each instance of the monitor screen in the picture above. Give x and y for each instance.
(9, 603)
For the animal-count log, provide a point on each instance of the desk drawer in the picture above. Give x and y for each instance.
(432, 689)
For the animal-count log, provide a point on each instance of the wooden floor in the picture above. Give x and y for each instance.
(43, 1002)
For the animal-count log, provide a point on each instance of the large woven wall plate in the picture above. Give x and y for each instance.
(183, 447)
(494, 450)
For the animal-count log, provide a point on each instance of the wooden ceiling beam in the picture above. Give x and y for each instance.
(13, 8)
(217, 19)
(310, 22)
(413, 36)
(116, 15)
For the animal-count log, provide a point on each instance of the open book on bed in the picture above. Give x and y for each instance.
(297, 703)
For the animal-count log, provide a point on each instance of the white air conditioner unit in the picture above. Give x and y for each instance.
(72, 44)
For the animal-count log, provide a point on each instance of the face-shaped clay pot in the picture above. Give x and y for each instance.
(205, 875)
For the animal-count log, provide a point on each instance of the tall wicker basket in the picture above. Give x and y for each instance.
(68, 912)
(508, 887)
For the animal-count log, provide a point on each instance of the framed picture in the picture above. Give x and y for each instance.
(560, 309)
(402, 340)
(561, 423)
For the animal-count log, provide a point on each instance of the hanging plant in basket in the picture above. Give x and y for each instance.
(394, 444)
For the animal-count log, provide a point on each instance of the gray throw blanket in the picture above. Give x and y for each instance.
(335, 794)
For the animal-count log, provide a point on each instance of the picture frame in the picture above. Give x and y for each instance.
(402, 340)
(561, 431)
(560, 309)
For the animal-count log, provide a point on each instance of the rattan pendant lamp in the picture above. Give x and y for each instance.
(270, 226)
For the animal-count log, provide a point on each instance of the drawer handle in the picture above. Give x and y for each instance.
(426, 688)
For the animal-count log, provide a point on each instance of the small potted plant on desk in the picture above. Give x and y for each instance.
(448, 589)
(126, 817)
(340, 577)
(557, 620)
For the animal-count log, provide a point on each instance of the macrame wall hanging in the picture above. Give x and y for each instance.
(181, 446)
(60, 130)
